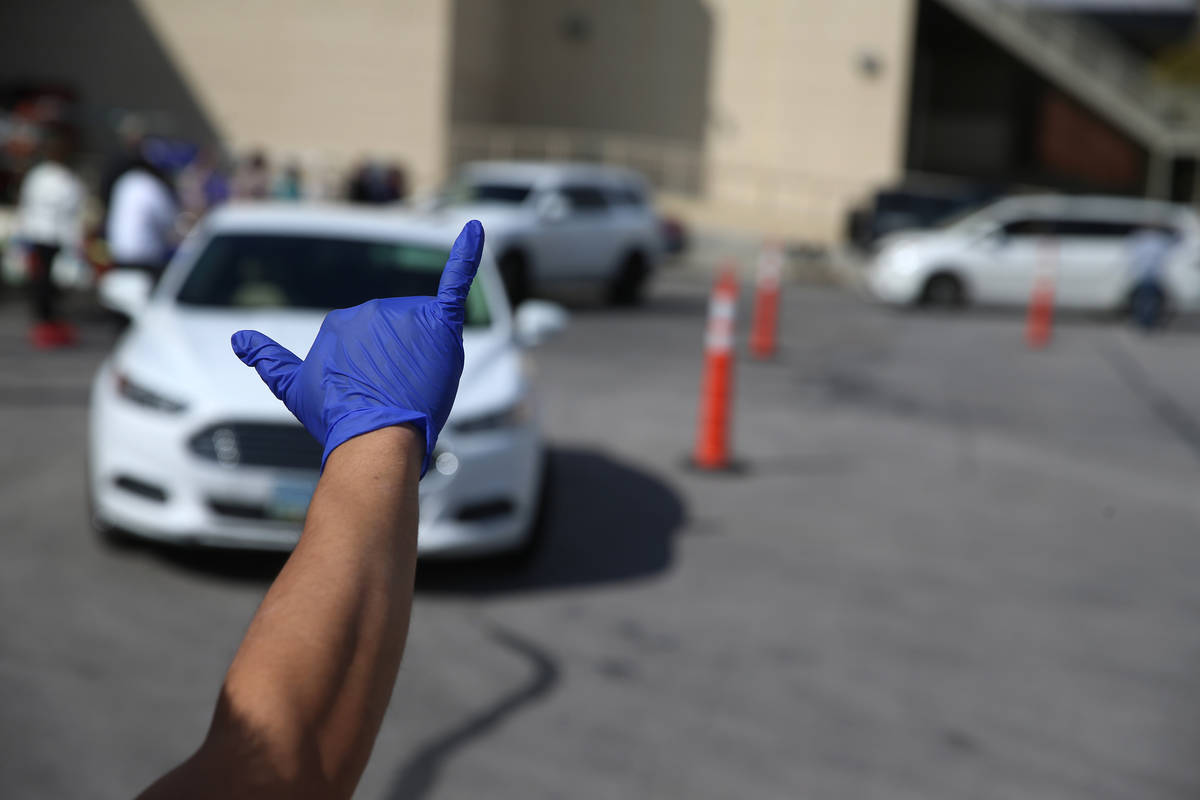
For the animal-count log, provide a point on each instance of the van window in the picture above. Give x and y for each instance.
(585, 199)
(1094, 228)
(1029, 227)
(1090, 228)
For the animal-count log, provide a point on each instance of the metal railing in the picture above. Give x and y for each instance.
(1088, 59)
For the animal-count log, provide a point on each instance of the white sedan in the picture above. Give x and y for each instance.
(187, 445)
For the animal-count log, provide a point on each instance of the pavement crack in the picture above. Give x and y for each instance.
(419, 775)
(1176, 418)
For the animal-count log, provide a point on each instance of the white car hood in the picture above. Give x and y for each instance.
(186, 355)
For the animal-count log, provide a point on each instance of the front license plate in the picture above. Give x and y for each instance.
(290, 499)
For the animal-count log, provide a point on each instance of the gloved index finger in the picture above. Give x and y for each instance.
(460, 271)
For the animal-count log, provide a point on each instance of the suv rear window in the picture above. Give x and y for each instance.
(512, 193)
(628, 196)
(585, 198)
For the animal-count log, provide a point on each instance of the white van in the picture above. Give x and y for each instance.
(994, 255)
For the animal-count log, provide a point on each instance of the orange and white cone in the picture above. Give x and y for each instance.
(716, 390)
(1040, 321)
(765, 325)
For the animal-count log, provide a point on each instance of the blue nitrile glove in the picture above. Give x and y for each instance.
(385, 362)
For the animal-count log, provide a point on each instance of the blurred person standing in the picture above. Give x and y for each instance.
(252, 178)
(397, 183)
(376, 183)
(50, 220)
(1150, 250)
(201, 184)
(131, 134)
(141, 221)
(358, 187)
(290, 184)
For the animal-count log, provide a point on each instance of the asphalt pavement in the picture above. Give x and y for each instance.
(951, 567)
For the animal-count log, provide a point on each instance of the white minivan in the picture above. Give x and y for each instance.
(994, 255)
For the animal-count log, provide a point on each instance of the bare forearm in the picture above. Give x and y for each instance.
(307, 690)
(325, 645)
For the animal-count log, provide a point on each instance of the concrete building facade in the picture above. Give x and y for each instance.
(772, 116)
(766, 114)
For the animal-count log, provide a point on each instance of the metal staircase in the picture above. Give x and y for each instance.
(1087, 61)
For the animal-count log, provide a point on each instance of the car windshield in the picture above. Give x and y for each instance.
(490, 192)
(293, 271)
(960, 216)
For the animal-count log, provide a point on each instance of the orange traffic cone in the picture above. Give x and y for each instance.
(1041, 313)
(716, 390)
(765, 325)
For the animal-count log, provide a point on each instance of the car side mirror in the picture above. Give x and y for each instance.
(125, 291)
(995, 239)
(538, 320)
(552, 207)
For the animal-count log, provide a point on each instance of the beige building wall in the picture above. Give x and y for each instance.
(631, 66)
(327, 82)
(772, 116)
(808, 103)
(778, 114)
(617, 80)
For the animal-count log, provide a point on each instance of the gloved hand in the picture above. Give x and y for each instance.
(385, 362)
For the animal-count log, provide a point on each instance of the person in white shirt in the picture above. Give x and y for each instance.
(141, 222)
(50, 220)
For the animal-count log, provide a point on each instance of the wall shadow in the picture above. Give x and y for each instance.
(593, 66)
(605, 522)
(109, 55)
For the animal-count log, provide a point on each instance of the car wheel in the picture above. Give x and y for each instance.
(628, 287)
(944, 291)
(514, 272)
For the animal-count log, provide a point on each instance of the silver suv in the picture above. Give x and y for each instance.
(551, 223)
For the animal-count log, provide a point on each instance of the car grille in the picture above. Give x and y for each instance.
(258, 444)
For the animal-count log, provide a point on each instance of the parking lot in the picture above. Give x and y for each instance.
(950, 567)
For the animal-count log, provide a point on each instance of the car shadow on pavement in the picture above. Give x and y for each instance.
(674, 300)
(1183, 322)
(226, 564)
(604, 521)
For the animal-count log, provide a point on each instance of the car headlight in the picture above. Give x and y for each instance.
(899, 259)
(515, 415)
(142, 396)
